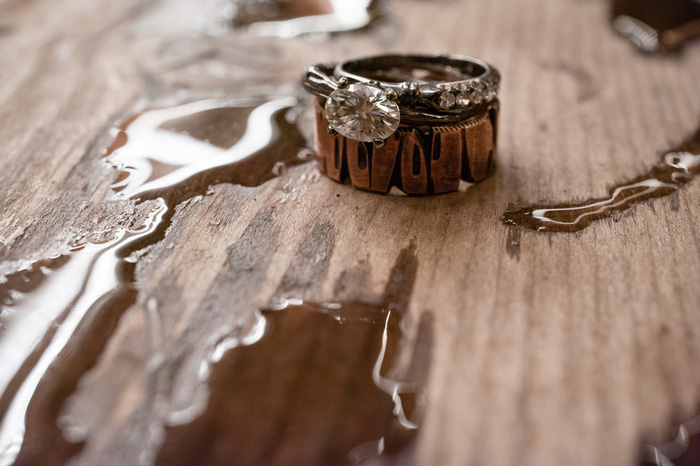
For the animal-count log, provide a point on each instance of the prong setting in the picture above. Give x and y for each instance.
(379, 143)
(362, 112)
(331, 130)
(343, 83)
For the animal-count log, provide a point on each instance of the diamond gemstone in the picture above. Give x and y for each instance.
(447, 100)
(464, 99)
(362, 112)
(479, 94)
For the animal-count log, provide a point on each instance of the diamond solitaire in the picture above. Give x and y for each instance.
(362, 112)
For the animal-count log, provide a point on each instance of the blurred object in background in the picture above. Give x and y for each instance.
(684, 450)
(657, 25)
(290, 18)
(255, 11)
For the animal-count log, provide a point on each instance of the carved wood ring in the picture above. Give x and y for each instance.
(418, 160)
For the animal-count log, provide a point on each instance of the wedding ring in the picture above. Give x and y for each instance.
(420, 123)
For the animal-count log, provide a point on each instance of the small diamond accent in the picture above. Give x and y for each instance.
(362, 112)
(478, 96)
(447, 100)
(464, 99)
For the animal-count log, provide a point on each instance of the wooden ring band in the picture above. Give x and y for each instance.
(418, 160)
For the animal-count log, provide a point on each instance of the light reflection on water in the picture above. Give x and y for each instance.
(667, 453)
(676, 169)
(92, 269)
(148, 142)
(41, 322)
(342, 16)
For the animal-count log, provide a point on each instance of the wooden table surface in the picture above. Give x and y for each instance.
(189, 300)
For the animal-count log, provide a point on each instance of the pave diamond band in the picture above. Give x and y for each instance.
(427, 80)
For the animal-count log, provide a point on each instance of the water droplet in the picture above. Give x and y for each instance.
(279, 169)
(305, 154)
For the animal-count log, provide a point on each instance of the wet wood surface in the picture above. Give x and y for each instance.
(519, 347)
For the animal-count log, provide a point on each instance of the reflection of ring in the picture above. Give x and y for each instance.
(421, 123)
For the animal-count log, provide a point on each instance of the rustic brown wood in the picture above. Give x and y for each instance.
(249, 383)
(543, 349)
(424, 160)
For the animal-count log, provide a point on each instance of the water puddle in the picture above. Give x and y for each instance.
(27, 280)
(314, 383)
(678, 167)
(57, 316)
(177, 153)
(44, 324)
(311, 384)
(684, 450)
(291, 18)
(657, 26)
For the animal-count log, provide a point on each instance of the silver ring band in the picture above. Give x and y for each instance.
(431, 89)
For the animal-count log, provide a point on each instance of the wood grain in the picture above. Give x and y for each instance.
(547, 349)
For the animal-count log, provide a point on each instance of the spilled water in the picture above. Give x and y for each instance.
(314, 383)
(58, 316)
(197, 145)
(657, 26)
(42, 323)
(678, 167)
(291, 18)
(311, 384)
(684, 450)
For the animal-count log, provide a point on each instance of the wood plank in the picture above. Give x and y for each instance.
(531, 348)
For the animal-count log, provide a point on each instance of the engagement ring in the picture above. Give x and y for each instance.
(420, 123)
